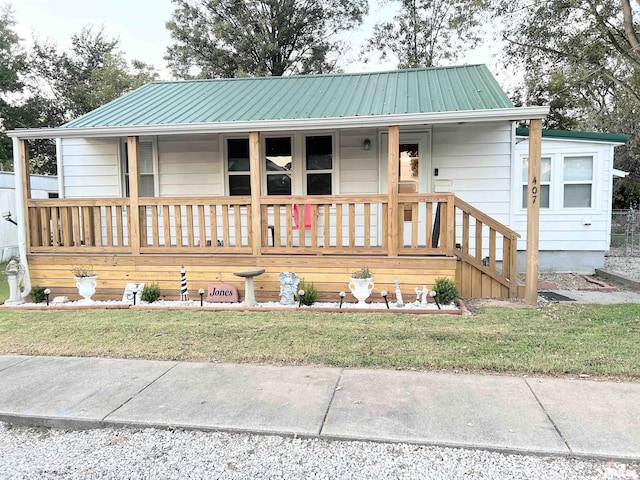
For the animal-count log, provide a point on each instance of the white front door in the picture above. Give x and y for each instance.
(414, 175)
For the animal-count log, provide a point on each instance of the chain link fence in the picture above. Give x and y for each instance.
(625, 233)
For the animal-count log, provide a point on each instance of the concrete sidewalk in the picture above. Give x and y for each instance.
(525, 415)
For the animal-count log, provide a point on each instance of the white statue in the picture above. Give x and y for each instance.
(288, 287)
(421, 296)
(399, 301)
(15, 273)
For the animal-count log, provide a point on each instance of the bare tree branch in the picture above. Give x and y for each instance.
(628, 25)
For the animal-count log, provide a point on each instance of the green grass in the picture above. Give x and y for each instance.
(556, 340)
(4, 286)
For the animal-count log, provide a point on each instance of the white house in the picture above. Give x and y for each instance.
(42, 186)
(415, 173)
(576, 185)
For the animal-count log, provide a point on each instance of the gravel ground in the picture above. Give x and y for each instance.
(38, 453)
(628, 266)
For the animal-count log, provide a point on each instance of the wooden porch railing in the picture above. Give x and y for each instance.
(192, 225)
(338, 225)
(426, 224)
(479, 246)
(90, 225)
(167, 225)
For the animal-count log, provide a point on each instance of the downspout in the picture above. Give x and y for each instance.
(20, 213)
(60, 170)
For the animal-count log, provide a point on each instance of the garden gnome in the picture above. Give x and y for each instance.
(421, 296)
(15, 273)
(288, 287)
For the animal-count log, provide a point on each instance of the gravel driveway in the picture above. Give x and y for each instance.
(37, 453)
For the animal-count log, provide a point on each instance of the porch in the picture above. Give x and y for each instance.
(322, 238)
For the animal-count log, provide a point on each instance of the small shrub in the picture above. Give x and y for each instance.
(81, 271)
(310, 293)
(150, 293)
(37, 294)
(446, 290)
(364, 272)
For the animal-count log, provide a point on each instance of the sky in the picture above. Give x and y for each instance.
(140, 26)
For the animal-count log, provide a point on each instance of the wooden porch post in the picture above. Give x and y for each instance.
(134, 194)
(533, 211)
(392, 182)
(25, 179)
(256, 189)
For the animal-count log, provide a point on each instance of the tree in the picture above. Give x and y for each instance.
(232, 38)
(595, 37)
(93, 73)
(12, 67)
(584, 57)
(64, 85)
(427, 33)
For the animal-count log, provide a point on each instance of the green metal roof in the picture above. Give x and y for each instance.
(423, 90)
(572, 135)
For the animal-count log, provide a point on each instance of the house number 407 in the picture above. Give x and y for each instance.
(534, 190)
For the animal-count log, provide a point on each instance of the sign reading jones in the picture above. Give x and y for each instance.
(221, 292)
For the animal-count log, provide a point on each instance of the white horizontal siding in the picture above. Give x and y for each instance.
(90, 167)
(477, 159)
(189, 165)
(569, 229)
(358, 167)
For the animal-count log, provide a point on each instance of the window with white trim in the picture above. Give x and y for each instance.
(544, 182)
(577, 181)
(238, 166)
(277, 165)
(146, 169)
(319, 164)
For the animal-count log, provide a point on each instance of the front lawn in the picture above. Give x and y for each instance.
(556, 340)
(4, 286)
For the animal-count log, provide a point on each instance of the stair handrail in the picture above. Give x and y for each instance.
(508, 275)
(486, 219)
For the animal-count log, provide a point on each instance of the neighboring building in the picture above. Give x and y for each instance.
(576, 196)
(42, 186)
(415, 173)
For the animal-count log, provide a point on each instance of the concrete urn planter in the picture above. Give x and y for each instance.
(86, 287)
(361, 288)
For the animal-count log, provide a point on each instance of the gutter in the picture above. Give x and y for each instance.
(20, 213)
(371, 121)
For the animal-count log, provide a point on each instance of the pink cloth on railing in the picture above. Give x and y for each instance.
(308, 211)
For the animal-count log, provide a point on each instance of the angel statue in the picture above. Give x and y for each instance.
(288, 287)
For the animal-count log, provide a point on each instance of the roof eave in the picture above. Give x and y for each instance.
(376, 121)
(577, 136)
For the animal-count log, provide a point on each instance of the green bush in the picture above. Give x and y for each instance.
(446, 290)
(150, 293)
(37, 294)
(310, 293)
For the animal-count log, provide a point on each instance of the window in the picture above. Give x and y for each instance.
(145, 169)
(577, 176)
(544, 183)
(278, 165)
(319, 164)
(238, 166)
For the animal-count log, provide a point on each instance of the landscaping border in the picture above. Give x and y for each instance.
(421, 311)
